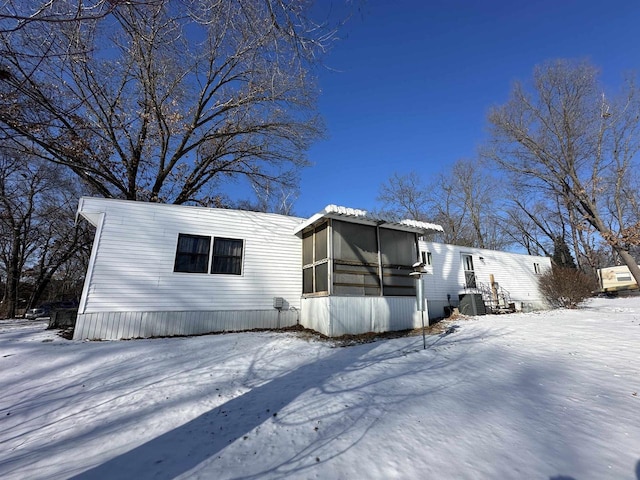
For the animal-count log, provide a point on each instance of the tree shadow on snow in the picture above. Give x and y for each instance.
(178, 451)
(201, 441)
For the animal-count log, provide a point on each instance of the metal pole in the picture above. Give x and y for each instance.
(417, 274)
(420, 305)
(424, 338)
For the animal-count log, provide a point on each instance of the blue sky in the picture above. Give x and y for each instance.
(409, 83)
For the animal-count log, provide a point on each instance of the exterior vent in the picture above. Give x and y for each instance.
(278, 302)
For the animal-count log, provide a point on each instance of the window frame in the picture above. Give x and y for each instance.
(239, 258)
(398, 251)
(313, 261)
(181, 254)
(468, 267)
(355, 252)
(359, 259)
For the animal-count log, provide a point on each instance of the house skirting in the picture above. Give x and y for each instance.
(121, 325)
(335, 316)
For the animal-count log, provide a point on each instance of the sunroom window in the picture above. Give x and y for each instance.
(315, 261)
(356, 268)
(398, 251)
(357, 259)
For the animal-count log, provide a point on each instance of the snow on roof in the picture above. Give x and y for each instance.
(363, 216)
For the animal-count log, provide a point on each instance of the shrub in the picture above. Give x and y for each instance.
(566, 287)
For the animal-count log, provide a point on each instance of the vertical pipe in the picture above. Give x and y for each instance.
(494, 290)
(420, 306)
(330, 255)
(379, 261)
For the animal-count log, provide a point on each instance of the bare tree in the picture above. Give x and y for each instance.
(446, 210)
(568, 141)
(62, 245)
(165, 101)
(538, 222)
(478, 196)
(18, 14)
(38, 234)
(405, 196)
(462, 200)
(530, 223)
(19, 188)
(270, 198)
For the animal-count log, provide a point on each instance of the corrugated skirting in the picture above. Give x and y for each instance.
(122, 325)
(335, 316)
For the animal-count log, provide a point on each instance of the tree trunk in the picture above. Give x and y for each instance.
(13, 278)
(630, 262)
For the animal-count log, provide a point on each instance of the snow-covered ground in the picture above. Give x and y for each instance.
(552, 395)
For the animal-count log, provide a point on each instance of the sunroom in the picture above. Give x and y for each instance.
(356, 271)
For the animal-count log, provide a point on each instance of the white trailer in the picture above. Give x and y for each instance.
(162, 270)
(502, 280)
(616, 279)
(158, 270)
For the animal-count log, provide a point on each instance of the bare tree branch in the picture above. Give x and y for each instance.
(576, 145)
(166, 101)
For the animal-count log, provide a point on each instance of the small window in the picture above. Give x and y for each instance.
(469, 273)
(536, 268)
(426, 258)
(192, 254)
(227, 256)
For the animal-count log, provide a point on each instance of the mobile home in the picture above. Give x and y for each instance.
(158, 270)
(502, 281)
(161, 270)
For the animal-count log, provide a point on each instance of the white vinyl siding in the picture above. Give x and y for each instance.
(512, 271)
(133, 270)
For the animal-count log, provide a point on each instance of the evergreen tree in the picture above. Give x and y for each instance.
(561, 254)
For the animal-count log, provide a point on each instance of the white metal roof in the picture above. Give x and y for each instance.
(362, 216)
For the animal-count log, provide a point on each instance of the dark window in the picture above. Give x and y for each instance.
(355, 263)
(192, 254)
(315, 262)
(320, 250)
(322, 277)
(307, 248)
(354, 242)
(227, 256)
(398, 251)
(397, 247)
(307, 280)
